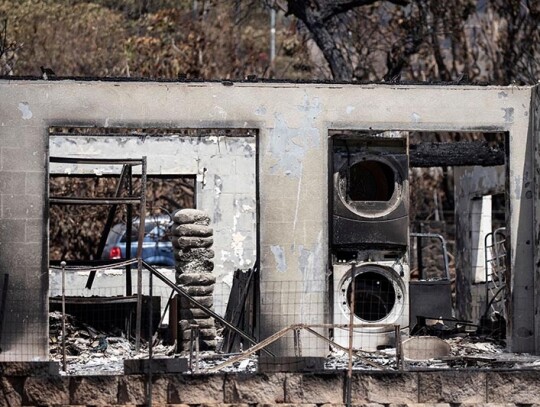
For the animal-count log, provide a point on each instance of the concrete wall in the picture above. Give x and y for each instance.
(471, 183)
(375, 389)
(225, 185)
(293, 122)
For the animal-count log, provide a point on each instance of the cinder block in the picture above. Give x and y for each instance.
(22, 206)
(12, 182)
(11, 391)
(28, 158)
(452, 387)
(198, 389)
(225, 405)
(425, 405)
(46, 390)
(35, 183)
(132, 389)
(314, 388)
(260, 388)
(518, 387)
(34, 230)
(13, 230)
(94, 390)
(20, 255)
(385, 388)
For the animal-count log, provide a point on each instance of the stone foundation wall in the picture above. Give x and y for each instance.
(443, 388)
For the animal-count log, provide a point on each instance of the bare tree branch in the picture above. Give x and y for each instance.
(335, 7)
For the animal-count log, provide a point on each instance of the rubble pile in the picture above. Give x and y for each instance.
(466, 352)
(93, 352)
(192, 239)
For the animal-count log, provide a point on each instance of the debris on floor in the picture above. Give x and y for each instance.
(93, 352)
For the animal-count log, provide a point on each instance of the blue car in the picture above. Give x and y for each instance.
(157, 247)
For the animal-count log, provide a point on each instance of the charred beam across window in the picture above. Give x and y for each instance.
(459, 153)
(98, 161)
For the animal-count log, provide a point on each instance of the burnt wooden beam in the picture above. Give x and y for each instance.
(459, 153)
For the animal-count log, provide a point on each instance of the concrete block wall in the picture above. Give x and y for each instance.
(441, 388)
(293, 122)
(23, 251)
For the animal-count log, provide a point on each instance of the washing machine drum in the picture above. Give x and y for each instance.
(378, 294)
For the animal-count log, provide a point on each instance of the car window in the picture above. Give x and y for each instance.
(152, 233)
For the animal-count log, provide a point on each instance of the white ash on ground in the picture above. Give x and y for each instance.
(467, 352)
(93, 352)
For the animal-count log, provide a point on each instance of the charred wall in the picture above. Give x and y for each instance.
(293, 121)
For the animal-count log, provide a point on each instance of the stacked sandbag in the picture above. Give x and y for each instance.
(192, 239)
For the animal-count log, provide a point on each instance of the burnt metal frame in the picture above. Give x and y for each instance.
(127, 170)
(495, 256)
(439, 237)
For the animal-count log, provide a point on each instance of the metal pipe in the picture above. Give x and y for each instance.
(64, 363)
(272, 35)
(399, 349)
(64, 200)
(150, 341)
(113, 161)
(129, 230)
(443, 243)
(139, 255)
(351, 333)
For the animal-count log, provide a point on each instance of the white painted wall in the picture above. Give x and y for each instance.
(225, 185)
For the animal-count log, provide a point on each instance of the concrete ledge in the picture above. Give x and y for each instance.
(291, 364)
(164, 365)
(29, 368)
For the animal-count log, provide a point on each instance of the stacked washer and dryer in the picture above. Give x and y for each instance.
(369, 236)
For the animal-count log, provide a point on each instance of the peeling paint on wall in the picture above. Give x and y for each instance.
(508, 114)
(24, 107)
(279, 257)
(288, 145)
(310, 263)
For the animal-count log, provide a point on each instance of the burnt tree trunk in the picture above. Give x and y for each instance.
(316, 16)
(455, 154)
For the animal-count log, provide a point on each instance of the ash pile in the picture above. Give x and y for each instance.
(90, 351)
(192, 242)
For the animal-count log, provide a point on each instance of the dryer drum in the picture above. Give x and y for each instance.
(371, 187)
(370, 203)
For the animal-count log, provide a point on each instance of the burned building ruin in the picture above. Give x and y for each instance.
(289, 195)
